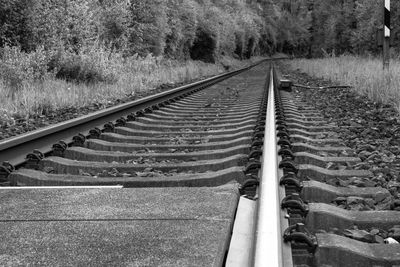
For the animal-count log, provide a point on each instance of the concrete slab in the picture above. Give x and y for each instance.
(335, 250)
(81, 153)
(314, 191)
(71, 166)
(312, 159)
(116, 243)
(116, 227)
(98, 144)
(29, 177)
(241, 246)
(325, 217)
(308, 171)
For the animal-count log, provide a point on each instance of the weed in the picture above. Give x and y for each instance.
(366, 75)
(95, 76)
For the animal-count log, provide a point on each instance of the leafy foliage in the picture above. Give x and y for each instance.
(206, 30)
(350, 26)
(88, 67)
(159, 27)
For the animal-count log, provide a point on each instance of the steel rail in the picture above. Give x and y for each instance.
(15, 149)
(62, 187)
(269, 248)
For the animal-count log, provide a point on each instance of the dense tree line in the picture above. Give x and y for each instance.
(342, 26)
(201, 29)
(197, 29)
(84, 40)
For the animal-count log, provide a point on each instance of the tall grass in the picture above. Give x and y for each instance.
(95, 76)
(366, 75)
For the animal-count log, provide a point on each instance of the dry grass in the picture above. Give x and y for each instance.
(27, 88)
(36, 97)
(364, 74)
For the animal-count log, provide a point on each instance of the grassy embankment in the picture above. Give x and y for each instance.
(27, 87)
(364, 74)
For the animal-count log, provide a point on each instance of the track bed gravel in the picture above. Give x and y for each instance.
(361, 207)
(371, 129)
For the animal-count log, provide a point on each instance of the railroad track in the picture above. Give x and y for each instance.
(231, 171)
(148, 183)
(203, 133)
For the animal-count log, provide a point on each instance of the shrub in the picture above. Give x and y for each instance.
(12, 79)
(90, 66)
(17, 67)
(364, 74)
(29, 66)
(75, 68)
(5, 118)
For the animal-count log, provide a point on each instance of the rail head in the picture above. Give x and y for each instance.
(269, 248)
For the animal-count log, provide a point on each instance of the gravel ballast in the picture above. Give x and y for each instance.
(372, 130)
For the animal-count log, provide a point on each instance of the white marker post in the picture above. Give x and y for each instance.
(386, 38)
